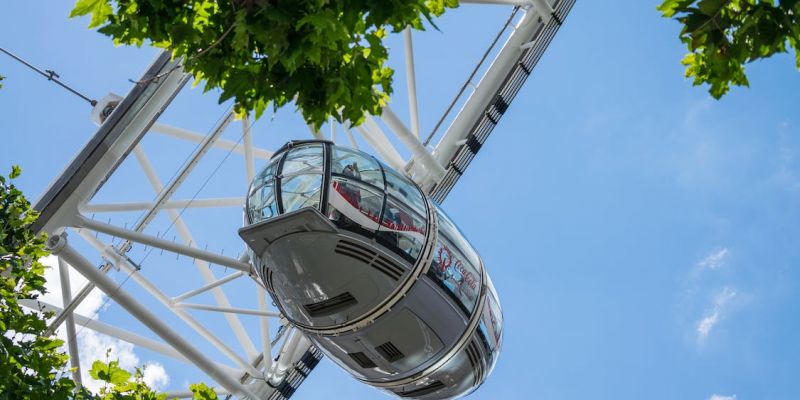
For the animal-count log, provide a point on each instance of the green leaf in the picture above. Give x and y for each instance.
(15, 172)
(100, 10)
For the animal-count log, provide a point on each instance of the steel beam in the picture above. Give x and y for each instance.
(124, 265)
(195, 137)
(374, 135)
(214, 258)
(421, 155)
(208, 287)
(202, 266)
(72, 338)
(57, 245)
(172, 204)
(228, 310)
(472, 110)
(411, 82)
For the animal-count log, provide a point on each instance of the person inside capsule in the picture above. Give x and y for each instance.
(372, 271)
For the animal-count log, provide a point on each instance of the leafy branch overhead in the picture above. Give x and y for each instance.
(326, 55)
(723, 35)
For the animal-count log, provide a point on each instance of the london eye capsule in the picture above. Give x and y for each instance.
(374, 273)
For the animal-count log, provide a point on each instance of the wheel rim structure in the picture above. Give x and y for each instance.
(194, 303)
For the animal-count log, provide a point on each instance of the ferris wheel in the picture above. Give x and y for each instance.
(129, 223)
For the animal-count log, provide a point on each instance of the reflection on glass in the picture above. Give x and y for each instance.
(356, 165)
(268, 173)
(261, 202)
(300, 191)
(402, 188)
(452, 270)
(491, 325)
(402, 229)
(303, 160)
(449, 229)
(354, 205)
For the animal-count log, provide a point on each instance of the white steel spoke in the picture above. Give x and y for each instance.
(350, 137)
(59, 247)
(172, 204)
(207, 287)
(374, 135)
(83, 222)
(198, 138)
(202, 266)
(411, 82)
(124, 265)
(432, 168)
(247, 139)
(72, 339)
(229, 310)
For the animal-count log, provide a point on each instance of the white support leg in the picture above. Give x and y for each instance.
(58, 246)
(72, 339)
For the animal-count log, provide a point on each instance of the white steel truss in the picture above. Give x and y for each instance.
(246, 368)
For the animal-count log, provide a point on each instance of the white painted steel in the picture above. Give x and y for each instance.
(207, 287)
(228, 310)
(108, 229)
(202, 266)
(112, 289)
(72, 339)
(124, 265)
(350, 137)
(374, 135)
(411, 82)
(422, 157)
(172, 204)
(485, 89)
(223, 144)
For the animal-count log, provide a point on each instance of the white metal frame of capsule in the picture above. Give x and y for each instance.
(125, 122)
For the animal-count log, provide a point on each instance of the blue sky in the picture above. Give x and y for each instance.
(644, 238)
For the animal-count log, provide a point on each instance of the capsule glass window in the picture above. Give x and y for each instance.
(353, 205)
(456, 266)
(261, 203)
(401, 187)
(491, 325)
(356, 165)
(306, 159)
(402, 230)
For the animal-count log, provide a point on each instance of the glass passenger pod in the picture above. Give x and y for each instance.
(359, 195)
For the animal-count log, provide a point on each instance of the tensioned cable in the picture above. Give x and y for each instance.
(472, 75)
(51, 76)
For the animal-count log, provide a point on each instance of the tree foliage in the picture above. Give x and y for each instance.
(29, 361)
(724, 35)
(327, 56)
(32, 365)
